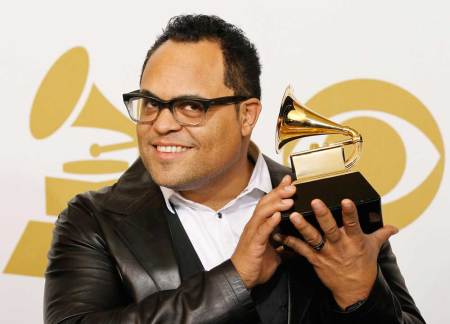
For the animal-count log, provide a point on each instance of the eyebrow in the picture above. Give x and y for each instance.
(186, 96)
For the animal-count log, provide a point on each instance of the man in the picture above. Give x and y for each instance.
(184, 235)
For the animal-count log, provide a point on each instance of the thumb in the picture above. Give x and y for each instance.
(384, 233)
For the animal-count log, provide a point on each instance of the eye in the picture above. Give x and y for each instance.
(190, 107)
(145, 106)
(149, 103)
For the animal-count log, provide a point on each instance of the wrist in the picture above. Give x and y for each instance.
(248, 283)
(350, 303)
(349, 297)
(355, 306)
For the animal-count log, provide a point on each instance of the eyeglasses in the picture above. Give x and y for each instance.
(144, 108)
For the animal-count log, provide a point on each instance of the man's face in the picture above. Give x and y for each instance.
(198, 155)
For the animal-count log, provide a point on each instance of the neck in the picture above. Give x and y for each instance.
(218, 193)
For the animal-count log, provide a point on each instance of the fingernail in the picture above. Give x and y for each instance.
(347, 203)
(295, 218)
(276, 237)
(289, 188)
(275, 218)
(316, 203)
(287, 201)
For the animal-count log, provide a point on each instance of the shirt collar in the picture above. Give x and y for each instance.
(260, 179)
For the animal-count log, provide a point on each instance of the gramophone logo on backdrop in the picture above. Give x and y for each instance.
(54, 102)
(403, 152)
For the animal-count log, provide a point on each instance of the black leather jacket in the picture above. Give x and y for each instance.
(112, 261)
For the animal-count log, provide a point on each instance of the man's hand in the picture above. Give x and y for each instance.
(347, 263)
(254, 258)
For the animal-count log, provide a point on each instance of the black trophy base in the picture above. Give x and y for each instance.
(331, 191)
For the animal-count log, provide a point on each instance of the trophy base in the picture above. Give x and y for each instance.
(331, 191)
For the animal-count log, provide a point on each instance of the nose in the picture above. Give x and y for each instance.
(165, 122)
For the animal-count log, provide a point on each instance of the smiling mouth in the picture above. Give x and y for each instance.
(171, 148)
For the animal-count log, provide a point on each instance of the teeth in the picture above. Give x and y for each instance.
(171, 149)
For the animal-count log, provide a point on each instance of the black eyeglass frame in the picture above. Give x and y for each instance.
(170, 104)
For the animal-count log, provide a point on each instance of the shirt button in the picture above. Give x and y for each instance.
(219, 215)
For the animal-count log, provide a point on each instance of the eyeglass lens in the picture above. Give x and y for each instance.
(185, 111)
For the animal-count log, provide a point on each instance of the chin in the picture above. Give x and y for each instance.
(170, 180)
(180, 182)
(178, 185)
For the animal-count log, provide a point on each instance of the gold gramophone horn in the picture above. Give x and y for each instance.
(297, 121)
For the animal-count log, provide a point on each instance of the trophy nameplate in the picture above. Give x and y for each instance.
(324, 172)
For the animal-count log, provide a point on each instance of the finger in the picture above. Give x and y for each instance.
(298, 246)
(287, 253)
(285, 181)
(266, 228)
(383, 234)
(326, 220)
(276, 200)
(267, 208)
(309, 233)
(350, 218)
(285, 188)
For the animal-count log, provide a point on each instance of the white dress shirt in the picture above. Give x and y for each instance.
(215, 234)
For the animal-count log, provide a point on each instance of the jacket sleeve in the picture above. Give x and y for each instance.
(389, 300)
(82, 284)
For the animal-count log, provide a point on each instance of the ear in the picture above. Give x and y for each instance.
(249, 111)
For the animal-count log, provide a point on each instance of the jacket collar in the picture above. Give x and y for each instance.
(133, 191)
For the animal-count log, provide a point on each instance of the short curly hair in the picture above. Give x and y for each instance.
(241, 60)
